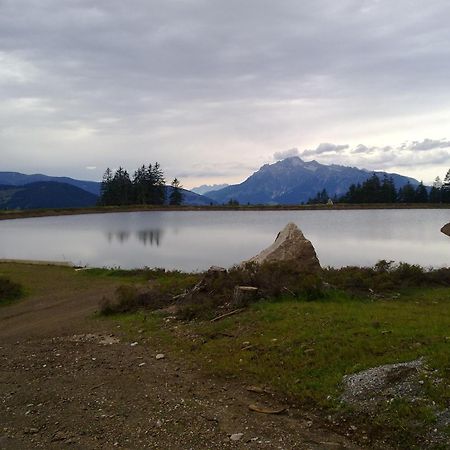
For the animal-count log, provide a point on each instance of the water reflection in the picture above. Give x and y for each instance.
(196, 240)
(120, 236)
(147, 237)
(150, 236)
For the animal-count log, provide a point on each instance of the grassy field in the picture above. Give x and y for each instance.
(299, 349)
(302, 349)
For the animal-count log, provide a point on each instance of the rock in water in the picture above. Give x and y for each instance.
(290, 245)
(446, 229)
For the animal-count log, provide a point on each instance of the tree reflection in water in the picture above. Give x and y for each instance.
(150, 236)
(121, 236)
(147, 237)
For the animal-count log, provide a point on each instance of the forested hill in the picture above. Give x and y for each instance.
(20, 179)
(45, 194)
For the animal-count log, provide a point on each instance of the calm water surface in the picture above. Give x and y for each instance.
(195, 240)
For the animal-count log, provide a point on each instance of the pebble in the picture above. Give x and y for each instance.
(236, 436)
(133, 344)
(160, 356)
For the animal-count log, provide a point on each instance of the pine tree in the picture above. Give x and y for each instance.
(105, 188)
(122, 187)
(436, 191)
(421, 194)
(176, 196)
(158, 192)
(388, 192)
(446, 188)
(407, 194)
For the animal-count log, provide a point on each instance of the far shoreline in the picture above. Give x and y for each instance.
(51, 212)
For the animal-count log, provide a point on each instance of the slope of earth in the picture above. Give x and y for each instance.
(292, 181)
(45, 194)
(68, 378)
(20, 179)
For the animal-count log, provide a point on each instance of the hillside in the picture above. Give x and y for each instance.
(45, 194)
(20, 179)
(292, 181)
(20, 191)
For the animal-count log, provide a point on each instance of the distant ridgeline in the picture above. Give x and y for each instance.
(20, 191)
(146, 188)
(376, 190)
(45, 194)
(293, 181)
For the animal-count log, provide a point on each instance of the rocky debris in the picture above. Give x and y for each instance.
(372, 391)
(244, 295)
(160, 356)
(290, 245)
(446, 229)
(102, 339)
(236, 436)
(367, 389)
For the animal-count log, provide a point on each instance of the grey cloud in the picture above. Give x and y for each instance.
(429, 144)
(363, 149)
(277, 156)
(325, 147)
(161, 77)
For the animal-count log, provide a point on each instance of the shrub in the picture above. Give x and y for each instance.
(9, 290)
(385, 277)
(129, 299)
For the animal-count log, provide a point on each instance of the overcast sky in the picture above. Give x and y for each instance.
(213, 89)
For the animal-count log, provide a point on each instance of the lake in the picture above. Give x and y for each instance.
(195, 240)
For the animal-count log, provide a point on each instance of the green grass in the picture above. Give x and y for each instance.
(303, 349)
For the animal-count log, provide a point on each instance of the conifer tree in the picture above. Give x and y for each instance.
(176, 196)
(446, 188)
(421, 194)
(435, 192)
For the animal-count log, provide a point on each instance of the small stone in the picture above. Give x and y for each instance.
(141, 364)
(160, 356)
(133, 344)
(236, 436)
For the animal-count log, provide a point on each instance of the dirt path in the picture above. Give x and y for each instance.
(67, 380)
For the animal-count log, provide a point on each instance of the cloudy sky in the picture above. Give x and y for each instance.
(213, 89)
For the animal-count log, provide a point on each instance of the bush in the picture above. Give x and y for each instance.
(129, 299)
(385, 277)
(9, 290)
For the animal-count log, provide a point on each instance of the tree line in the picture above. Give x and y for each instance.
(376, 190)
(146, 187)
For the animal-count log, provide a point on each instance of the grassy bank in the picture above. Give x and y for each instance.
(8, 215)
(300, 348)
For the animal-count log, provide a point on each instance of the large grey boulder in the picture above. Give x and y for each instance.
(290, 246)
(446, 229)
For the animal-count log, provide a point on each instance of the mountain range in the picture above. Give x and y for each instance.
(293, 181)
(45, 194)
(20, 179)
(289, 181)
(20, 191)
(204, 188)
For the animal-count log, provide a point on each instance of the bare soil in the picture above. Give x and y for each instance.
(70, 380)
